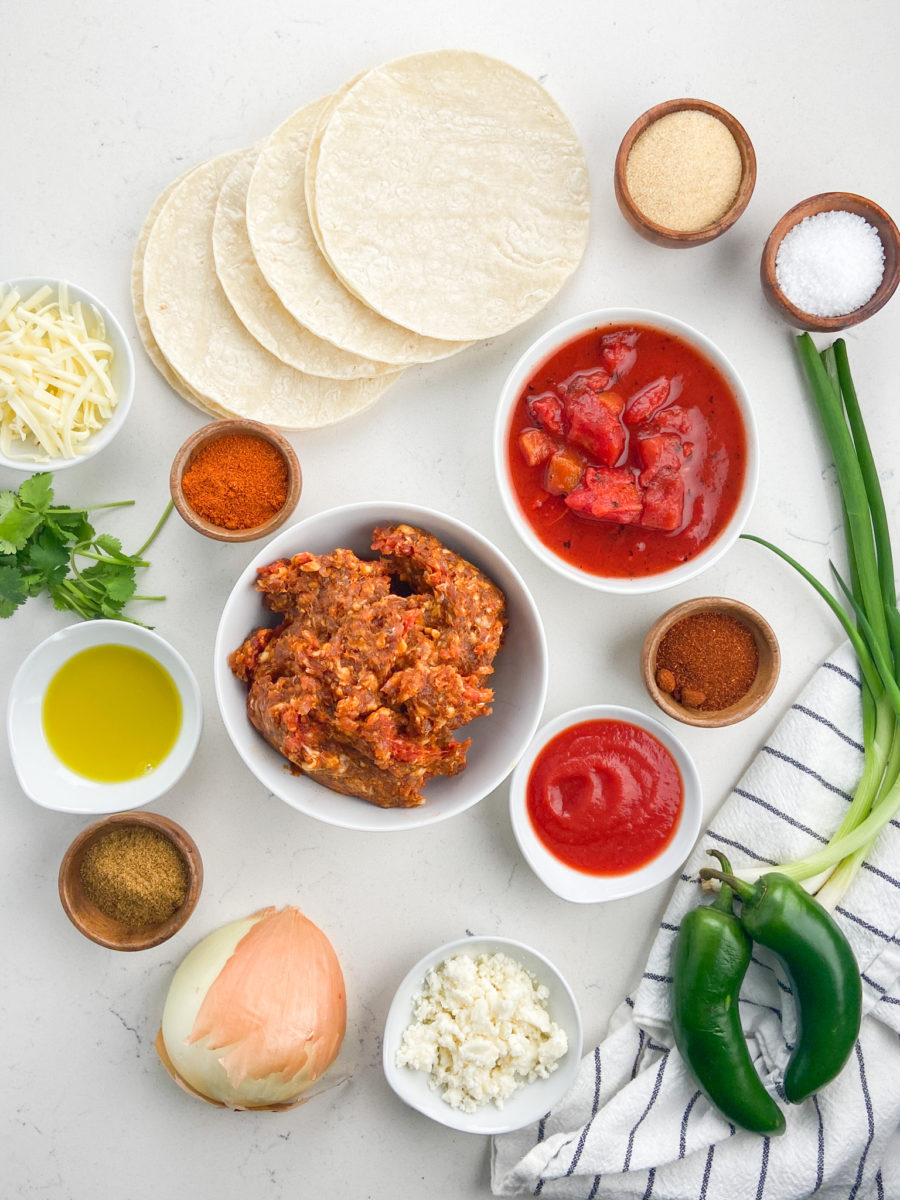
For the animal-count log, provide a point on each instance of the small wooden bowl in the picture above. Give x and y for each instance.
(210, 433)
(679, 238)
(831, 202)
(104, 930)
(766, 675)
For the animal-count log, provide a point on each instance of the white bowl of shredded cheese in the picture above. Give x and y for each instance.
(483, 1035)
(66, 374)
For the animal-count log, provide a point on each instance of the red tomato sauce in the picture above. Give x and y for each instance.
(605, 797)
(627, 460)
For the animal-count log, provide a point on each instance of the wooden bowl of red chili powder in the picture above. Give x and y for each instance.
(710, 661)
(235, 480)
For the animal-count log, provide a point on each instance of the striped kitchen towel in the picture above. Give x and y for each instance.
(635, 1125)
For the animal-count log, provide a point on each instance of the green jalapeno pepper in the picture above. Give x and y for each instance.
(712, 952)
(779, 914)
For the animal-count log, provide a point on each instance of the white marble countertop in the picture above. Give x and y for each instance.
(102, 105)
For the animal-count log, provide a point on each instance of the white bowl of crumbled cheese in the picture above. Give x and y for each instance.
(483, 1035)
(66, 374)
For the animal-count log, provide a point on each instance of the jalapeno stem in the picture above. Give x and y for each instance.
(724, 901)
(738, 887)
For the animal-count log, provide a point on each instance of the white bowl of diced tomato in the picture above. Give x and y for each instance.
(626, 450)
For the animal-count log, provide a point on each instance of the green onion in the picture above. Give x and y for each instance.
(872, 625)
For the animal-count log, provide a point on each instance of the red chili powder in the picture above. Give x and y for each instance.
(237, 481)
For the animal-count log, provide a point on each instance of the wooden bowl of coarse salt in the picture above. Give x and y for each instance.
(832, 261)
(684, 173)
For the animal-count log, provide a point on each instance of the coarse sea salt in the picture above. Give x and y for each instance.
(830, 263)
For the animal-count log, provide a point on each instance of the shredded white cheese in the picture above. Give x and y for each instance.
(481, 1031)
(55, 385)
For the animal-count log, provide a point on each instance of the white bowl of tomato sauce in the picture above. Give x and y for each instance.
(625, 450)
(605, 803)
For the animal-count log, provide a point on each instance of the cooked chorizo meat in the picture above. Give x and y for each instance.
(375, 663)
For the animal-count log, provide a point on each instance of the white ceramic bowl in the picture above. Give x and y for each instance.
(546, 346)
(121, 374)
(578, 886)
(46, 780)
(519, 680)
(532, 1100)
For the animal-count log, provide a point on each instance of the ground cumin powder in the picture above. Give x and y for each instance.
(707, 661)
(135, 876)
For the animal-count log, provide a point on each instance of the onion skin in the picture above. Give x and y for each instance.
(256, 1013)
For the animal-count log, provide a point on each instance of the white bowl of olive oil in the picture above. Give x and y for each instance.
(103, 716)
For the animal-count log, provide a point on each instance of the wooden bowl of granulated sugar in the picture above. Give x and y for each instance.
(131, 880)
(684, 173)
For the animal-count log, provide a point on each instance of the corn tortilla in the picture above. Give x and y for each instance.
(289, 257)
(203, 339)
(450, 194)
(257, 305)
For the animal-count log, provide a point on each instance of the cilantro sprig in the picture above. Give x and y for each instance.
(54, 549)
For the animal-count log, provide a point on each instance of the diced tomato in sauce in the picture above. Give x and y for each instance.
(663, 499)
(547, 411)
(658, 452)
(607, 494)
(650, 399)
(618, 351)
(594, 424)
(631, 487)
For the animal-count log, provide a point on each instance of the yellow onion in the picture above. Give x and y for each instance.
(256, 1012)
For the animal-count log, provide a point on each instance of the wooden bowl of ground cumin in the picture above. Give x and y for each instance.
(711, 661)
(131, 880)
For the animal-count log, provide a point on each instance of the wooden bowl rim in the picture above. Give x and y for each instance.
(83, 914)
(210, 432)
(661, 234)
(832, 202)
(762, 686)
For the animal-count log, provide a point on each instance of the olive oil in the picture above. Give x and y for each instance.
(111, 713)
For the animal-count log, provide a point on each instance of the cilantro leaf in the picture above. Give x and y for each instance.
(37, 492)
(16, 527)
(113, 579)
(47, 558)
(12, 591)
(70, 526)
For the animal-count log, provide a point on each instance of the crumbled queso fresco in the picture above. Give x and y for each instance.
(481, 1031)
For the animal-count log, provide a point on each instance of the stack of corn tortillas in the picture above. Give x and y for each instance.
(432, 202)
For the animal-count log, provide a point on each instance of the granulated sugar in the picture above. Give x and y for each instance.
(830, 263)
(684, 170)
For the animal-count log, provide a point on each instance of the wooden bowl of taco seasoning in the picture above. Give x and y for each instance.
(684, 172)
(235, 480)
(131, 880)
(710, 661)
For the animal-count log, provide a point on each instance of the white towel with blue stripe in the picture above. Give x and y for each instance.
(635, 1125)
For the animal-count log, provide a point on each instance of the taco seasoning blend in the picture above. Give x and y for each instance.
(707, 661)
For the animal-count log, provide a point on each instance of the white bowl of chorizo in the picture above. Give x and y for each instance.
(625, 450)
(380, 666)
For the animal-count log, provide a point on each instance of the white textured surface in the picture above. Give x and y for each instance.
(149, 91)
